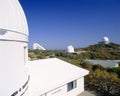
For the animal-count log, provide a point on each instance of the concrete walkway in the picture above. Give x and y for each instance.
(87, 93)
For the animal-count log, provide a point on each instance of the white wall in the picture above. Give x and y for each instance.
(13, 73)
(62, 91)
(78, 89)
(58, 92)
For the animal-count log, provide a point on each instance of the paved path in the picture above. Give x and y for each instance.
(86, 93)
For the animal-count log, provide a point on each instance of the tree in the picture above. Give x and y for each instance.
(98, 66)
(87, 65)
(32, 55)
(107, 84)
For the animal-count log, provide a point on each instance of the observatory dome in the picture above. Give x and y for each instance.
(13, 49)
(12, 17)
(70, 49)
(106, 39)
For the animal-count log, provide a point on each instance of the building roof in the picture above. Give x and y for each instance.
(12, 17)
(105, 63)
(48, 74)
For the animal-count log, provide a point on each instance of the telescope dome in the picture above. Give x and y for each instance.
(106, 39)
(12, 17)
(70, 49)
(13, 50)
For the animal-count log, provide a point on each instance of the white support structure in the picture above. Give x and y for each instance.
(37, 46)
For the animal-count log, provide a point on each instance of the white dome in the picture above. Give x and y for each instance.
(13, 50)
(106, 39)
(12, 17)
(70, 49)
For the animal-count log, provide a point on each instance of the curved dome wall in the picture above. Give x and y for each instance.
(12, 17)
(13, 49)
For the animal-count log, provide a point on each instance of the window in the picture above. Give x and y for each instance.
(3, 31)
(71, 85)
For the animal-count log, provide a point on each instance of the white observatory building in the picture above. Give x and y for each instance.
(105, 40)
(13, 49)
(37, 46)
(49, 77)
(70, 49)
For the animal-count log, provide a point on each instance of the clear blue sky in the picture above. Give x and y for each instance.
(55, 24)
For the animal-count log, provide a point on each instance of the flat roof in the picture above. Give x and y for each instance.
(48, 74)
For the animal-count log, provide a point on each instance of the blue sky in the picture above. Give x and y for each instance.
(55, 24)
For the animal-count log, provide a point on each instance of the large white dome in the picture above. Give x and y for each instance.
(13, 50)
(12, 17)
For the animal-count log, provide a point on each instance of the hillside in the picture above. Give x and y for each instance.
(97, 51)
(102, 51)
(103, 47)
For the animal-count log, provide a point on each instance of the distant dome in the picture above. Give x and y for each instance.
(70, 49)
(12, 17)
(106, 39)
